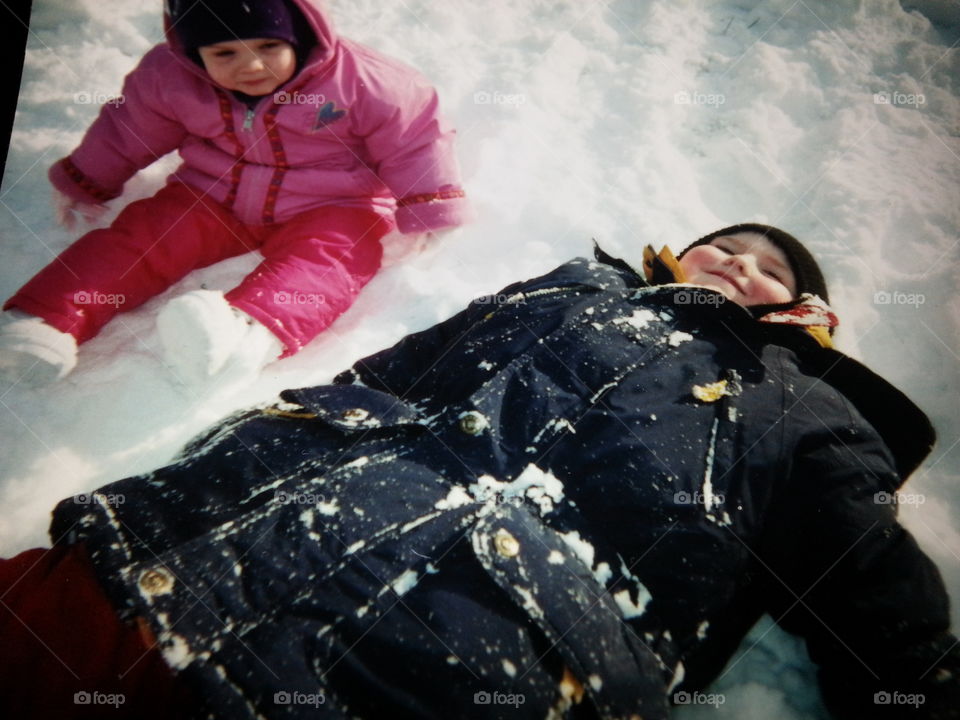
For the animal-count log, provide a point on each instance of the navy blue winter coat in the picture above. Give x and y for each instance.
(576, 496)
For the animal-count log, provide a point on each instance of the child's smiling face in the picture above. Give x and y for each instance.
(257, 66)
(746, 267)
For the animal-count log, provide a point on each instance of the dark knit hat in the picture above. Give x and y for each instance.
(806, 272)
(207, 22)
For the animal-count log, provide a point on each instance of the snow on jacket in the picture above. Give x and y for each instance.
(587, 489)
(351, 128)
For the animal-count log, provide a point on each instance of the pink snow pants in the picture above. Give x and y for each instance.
(313, 268)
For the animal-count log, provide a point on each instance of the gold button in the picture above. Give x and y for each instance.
(473, 423)
(156, 581)
(355, 415)
(506, 544)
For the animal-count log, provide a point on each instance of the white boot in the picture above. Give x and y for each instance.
(206, 339)
(32, 352)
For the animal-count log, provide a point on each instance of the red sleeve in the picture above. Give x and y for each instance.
(64, 645)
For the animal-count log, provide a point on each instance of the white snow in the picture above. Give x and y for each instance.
(679, 672)
(328, 508)
(176, 651)
(627, 122)
(540, 486)
(602, 573)
(307, 517)
(677, 337)
(403, 584)
(627, 606)
(457, 497)
(358, 463)
(529, 601)
(638, 320)
(707, 487)
(583, 548)
(624, 599)
(533, 483)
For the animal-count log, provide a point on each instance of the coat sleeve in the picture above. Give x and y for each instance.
(849, 578)
(398, 369)
(131, 132)
(411, 146)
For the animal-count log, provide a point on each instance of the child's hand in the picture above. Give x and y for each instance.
(66, 209)
(399, 248)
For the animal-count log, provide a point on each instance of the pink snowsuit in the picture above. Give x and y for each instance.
(312, 175)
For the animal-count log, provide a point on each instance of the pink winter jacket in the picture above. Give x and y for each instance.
(352, 128)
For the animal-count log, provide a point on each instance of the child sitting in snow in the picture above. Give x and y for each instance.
(295, 142)
(578, 500)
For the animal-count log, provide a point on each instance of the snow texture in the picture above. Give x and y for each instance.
(541, 488)
(627, 122)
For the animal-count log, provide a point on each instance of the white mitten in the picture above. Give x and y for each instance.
(66, 210)
(33, 352)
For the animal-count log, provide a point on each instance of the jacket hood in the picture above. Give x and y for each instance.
(316, 14)
(904, 427)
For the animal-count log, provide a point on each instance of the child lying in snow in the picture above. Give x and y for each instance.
(577, 501)
(295, 142)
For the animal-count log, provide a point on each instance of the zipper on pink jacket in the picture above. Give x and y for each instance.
(248, 119)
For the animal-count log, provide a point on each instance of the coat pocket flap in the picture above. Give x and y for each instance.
(549, 581)
(353, 407)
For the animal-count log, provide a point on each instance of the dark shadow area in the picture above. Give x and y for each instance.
(943, 14)
(16, 21)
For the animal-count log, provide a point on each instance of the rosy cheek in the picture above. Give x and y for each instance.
(779, 294)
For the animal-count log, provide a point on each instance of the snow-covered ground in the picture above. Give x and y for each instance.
(630, 122)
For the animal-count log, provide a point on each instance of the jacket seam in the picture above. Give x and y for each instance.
(226, 113)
